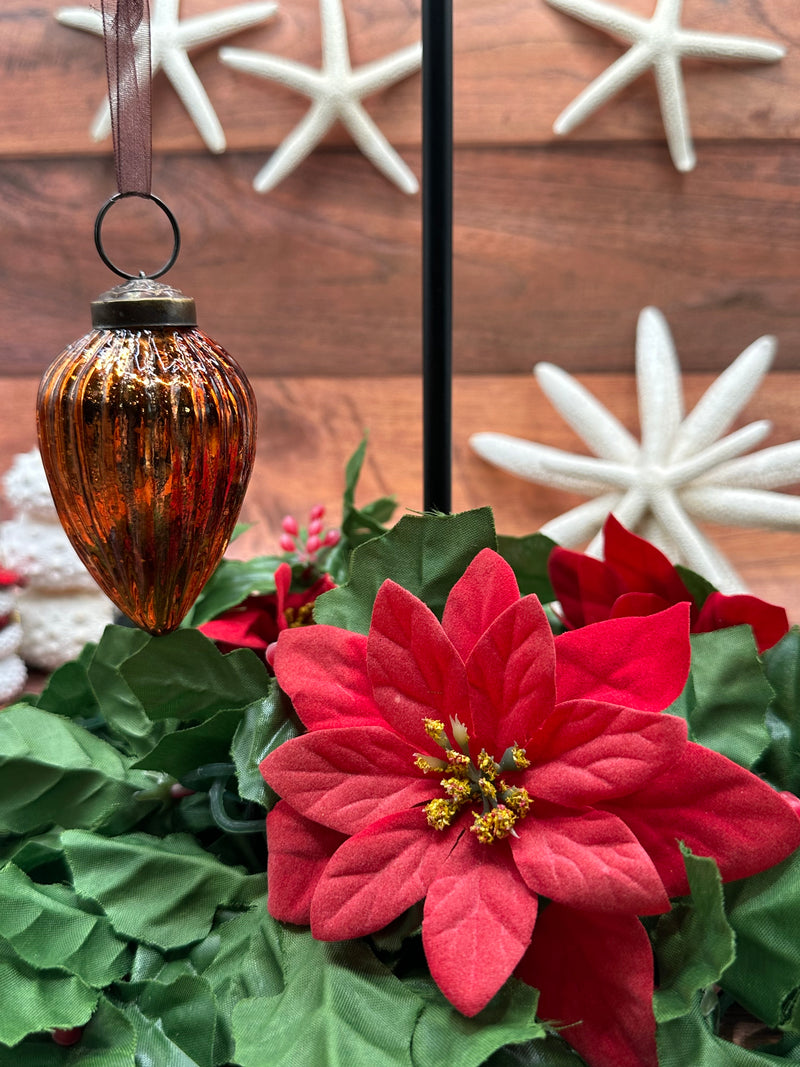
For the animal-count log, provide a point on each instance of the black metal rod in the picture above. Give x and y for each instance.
(437, 252)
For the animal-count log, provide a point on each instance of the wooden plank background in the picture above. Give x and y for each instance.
(558, 243)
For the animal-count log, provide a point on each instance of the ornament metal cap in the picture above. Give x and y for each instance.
(143, 302)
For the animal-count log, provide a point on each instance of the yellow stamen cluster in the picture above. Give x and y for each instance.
(459, 762)
(518, 800)
(487, 788)
(429, 764)
(440, 812)
(458, 789)
(488, 765)
(521, 761)
(494, 824)
(434, 728)
(301, 616)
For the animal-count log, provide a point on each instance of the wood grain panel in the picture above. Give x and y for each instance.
(556, 252)
(309, 427)
(516, 66)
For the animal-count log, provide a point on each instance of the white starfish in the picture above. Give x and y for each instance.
(170, 41)
(660, 43)
(336, 91)
(683, 469)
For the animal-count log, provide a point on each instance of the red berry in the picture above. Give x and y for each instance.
(67, 1037)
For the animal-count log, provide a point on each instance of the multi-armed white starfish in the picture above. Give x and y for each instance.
(683, 468)
(336, 91)
(170, 41)
(660, 43)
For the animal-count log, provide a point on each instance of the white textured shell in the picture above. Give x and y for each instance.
(56, 627)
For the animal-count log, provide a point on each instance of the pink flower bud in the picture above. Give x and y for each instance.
(67, 1037)
(315, 526)
(290, 526)
(287, 543)
(313, 544)
(332, 537)
(178, 791)
(317, 512)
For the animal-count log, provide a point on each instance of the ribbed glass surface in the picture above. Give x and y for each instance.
(148, 441)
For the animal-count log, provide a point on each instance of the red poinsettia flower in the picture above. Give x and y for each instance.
(481, 764)
(636, 579)
(257, 621)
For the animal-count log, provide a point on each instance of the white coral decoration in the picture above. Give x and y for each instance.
(13, 672)
(682, 470)
(60, 608)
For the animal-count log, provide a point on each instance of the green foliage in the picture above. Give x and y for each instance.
(726, 698)
(781, 761)
(266, 723)
(232, 582)
(426, 554)
(528, 556)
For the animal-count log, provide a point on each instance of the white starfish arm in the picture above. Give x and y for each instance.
(303, 138)
(693, 548)
(383, 72)
(614, 78)
(658, 383)
(576, 526)
(604, 17)
(629, 511)
(674, 112)
(736, 506)
(81, 18)
(767, 469)
(335, 47)
(187, 85)
(202, 29)
(592, 421)
(721, 451)
(725, 398)
(728, 46)
(376, 148)
(101, 123)
(533, 462)
(297, 76)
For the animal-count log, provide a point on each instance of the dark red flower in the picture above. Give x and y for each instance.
(257, 621)
(635, 578)
(481, 764)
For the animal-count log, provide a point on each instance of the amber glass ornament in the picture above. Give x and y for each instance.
(147, 434)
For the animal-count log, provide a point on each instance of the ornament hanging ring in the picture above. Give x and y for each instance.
(98, 236)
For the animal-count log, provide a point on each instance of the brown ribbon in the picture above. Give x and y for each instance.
(126, 28)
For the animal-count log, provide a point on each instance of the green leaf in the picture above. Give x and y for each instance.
(42, 853)
(550, 1051)
(689, 1039)
(266, 724)
(123, 713)
(232, 582)
(693, 943)
(108, 1041)
(183, 675)
(49, 926)
(184, 750)
(175, 1022)
(699, 587)
(41, 999)
(444, 1035)
(54, 772)
(528, 556)
(68, 691)
(162, 891)
(727, 695)
(426, 554)
(763, 911)
(339, 1006)
(781, 762)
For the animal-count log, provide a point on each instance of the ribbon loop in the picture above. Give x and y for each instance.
(126, 29)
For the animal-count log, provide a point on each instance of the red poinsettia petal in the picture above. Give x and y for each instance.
(637, 605)
(716, 808)
(347, 778)
(283, 580)
(511, 675)
(324, 671)
(477, 923)
(586, 859)
(299, 850)
(588, 750)
(769, 622)
(640, 566)
(595, 971)
(415, 671)
(585, 587)
(249, 626)
(378, 874)
(487, 587)
(638, 663)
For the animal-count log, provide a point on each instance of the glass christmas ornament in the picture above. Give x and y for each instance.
(147, 433)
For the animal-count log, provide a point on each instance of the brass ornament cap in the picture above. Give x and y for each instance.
(147, 434)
